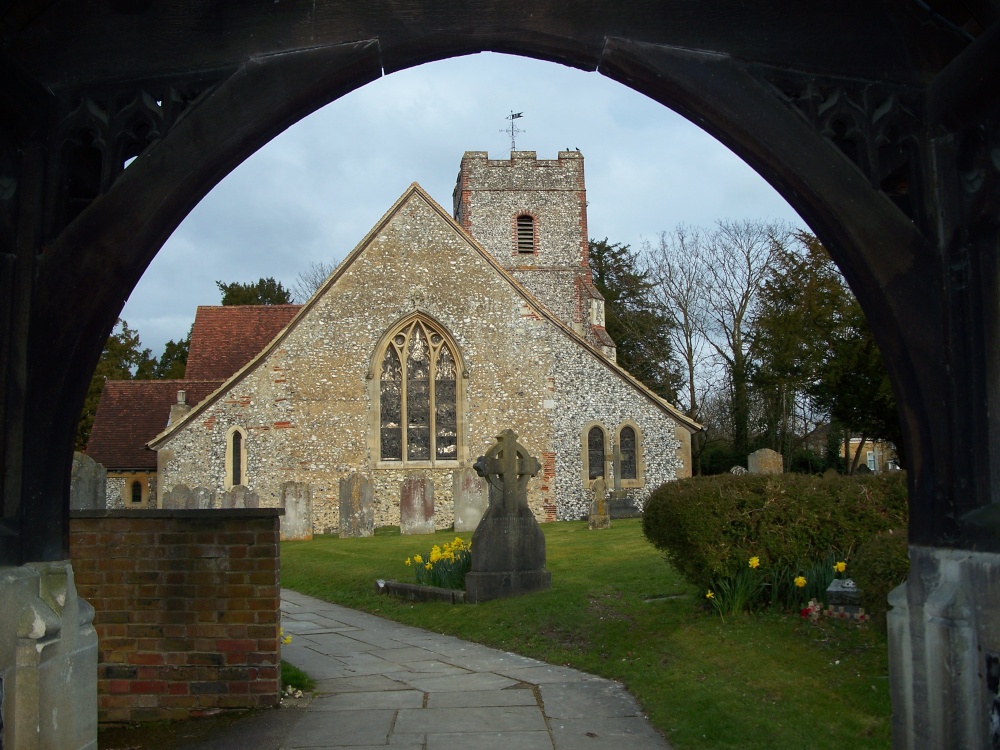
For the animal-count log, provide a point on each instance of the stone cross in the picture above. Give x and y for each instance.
(507, 466)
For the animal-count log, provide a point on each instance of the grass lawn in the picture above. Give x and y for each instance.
(616, 609)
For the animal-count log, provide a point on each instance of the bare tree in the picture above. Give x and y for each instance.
(675, 269)
(737, 257)
(309, 281)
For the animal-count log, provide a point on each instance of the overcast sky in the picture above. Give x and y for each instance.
(313, 192)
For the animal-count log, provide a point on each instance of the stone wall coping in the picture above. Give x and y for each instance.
(197, 514)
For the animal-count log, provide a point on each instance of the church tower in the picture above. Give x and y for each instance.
(531, 214)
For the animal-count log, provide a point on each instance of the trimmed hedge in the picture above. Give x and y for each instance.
(710, 526)
(880, 565)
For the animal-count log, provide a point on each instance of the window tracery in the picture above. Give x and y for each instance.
(418, 396)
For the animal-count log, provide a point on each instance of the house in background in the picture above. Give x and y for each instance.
(877, 456)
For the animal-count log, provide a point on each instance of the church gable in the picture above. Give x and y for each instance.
(412, 357)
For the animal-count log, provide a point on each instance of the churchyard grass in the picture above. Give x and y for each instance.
(616, 609)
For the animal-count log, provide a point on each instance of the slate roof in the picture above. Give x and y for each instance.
(133, 412)
(224, 339)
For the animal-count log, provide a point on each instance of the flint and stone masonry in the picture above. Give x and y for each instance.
(526, 343)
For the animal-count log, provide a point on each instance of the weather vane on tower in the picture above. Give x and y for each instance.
(513, 130)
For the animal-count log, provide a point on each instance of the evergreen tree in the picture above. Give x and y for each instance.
(122, 359)
(640, 330)
(173, 361)
(262, 292)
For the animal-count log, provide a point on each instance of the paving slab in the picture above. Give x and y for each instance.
(382, 684)
(587, 700)
(491, 741)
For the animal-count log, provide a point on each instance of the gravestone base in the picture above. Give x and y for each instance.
(48, 660)
(596, 522)
(620, 505)
(944, 651)
(482, 587)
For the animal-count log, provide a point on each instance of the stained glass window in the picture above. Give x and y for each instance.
(595, 452)
(418, 391)
(626, 445)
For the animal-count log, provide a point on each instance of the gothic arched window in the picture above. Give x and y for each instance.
(626, 447)
(417, 396)
(595, 452)
(136, 490)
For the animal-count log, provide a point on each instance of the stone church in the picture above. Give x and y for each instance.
(435, 334)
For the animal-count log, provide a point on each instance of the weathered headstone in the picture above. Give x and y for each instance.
(240, 497)
(508, 547)
(178, 498)
(88, 485)
(599, 517)
(416, 505)
(204, 498)
(357, 516)
(296, 499)
(765, 461)
(471, 499)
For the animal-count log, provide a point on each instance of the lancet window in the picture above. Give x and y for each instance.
(595, 452)
(418, 397)
(627, 446)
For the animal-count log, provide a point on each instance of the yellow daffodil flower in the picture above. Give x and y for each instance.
(754, 562)
(840, 567)
(800, 581)
(428, 566)
(407, 563)
(418, 559)
(709, 594)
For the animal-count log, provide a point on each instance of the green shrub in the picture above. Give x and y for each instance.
(880, 564)
(710, 526)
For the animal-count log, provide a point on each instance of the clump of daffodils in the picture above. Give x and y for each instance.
(445, 566)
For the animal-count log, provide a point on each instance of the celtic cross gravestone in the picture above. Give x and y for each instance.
(508, 547)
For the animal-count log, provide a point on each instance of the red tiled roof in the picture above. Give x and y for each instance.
(133, 412)
(224, 339)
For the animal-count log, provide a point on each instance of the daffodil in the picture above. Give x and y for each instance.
(428, 566)
(800, 581)
(407, 563)
(709, 594)
(418, 559)
(840, 566)
(754, 562)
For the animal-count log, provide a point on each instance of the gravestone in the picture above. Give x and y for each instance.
(357, 517)
(765, 461)
(416, 505)
(178, 498)
(204, 498)
(508, 547)
(599, 517)
(88, 486)
(620, 504)
(240, 497)
(296, 499)
(471, 498)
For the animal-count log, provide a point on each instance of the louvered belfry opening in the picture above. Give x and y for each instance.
(525, 234)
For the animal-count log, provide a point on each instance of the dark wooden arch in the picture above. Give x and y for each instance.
(872, 118)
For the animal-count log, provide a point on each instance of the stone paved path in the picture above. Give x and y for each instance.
(382, 684)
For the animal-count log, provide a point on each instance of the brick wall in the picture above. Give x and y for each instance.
(187, 609)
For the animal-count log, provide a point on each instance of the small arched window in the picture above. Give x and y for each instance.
(136, 490)
(418, 396)
(629, 459)
(626, 446)
(236, 458)
(525, 233)
(595, 453)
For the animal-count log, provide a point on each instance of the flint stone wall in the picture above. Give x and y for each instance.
(310, 405)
